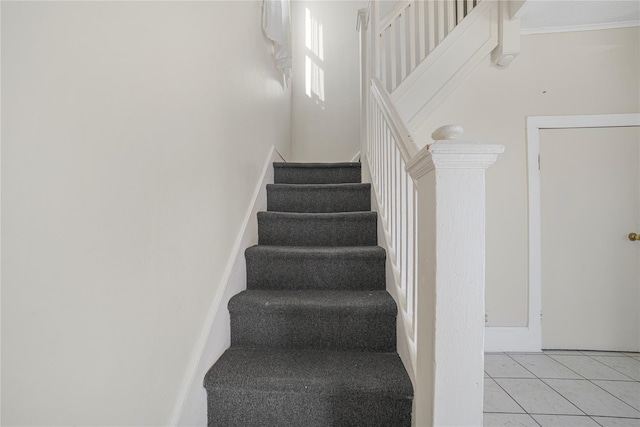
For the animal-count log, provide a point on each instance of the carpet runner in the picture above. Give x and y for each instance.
(313, 338)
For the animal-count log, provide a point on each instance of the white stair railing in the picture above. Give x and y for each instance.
(410, 32)
(431, 206)
(389, 149)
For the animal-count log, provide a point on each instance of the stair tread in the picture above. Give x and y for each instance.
(314, 302)
(316, 165)
(314, 252)
(310, 371)
(325, 216)
(323, 187)
(317, 173)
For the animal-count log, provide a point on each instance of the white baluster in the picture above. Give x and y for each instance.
(402, 46)
(469, 6)
(432, 20)
(451, 15)
(413, 54)
(423, 23)
(403, 231)
(393, 55)
(440, 21)
(396, 207)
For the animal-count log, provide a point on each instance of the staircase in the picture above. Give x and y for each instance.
(313, 338)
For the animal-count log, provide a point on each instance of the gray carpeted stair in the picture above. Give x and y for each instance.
(318, 197)
(316, 173)
(313, 338)
(317, 229)
(310, 388)
(335, 320)
(346, 268)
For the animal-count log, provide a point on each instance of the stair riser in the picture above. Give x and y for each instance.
(332, 199)
(309, 175)
(229, 408)
(310, 231)
(315, 274)
(327, 331)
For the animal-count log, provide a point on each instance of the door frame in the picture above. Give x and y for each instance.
(534, 125)
(529, 338)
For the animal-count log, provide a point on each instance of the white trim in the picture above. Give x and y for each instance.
(507, 338)
(212, 338)
(529, 338)
(586, 121)
(356, 157)
(0, 216)
(585, 27)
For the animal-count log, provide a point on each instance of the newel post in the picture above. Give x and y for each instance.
(450, 179)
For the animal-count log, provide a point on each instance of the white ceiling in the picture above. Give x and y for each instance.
(541, 16)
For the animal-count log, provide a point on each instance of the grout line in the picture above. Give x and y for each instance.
(557, 361)
(636, 409)
(603, 353)
(582, 378)
(615, 418)
(587, 379)
(563, 396)
(525, 368)
(577, 373)
(517, 403)
(534, 420)
(610, 367)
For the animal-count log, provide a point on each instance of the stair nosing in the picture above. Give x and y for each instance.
(380, 302)
(300, 215)
(326, 383)
(317, 165)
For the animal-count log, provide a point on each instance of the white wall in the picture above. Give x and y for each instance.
(589, 72)
(325, 122)
(133, 136)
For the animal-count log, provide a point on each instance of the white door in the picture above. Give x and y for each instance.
(590, 202)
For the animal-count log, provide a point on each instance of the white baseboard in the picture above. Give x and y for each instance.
(516, 339)
(191, 407)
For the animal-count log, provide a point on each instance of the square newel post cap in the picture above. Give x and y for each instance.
(448, 152)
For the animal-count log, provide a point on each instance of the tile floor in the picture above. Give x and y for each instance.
(562, 389)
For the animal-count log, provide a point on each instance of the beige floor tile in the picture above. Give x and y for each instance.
(508, 420)
(537, 398)
(592, 399)
(565, 421)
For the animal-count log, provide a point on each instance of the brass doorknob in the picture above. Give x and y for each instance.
(634, 237)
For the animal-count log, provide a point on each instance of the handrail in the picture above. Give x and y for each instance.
(407, 145)
(390, 16)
